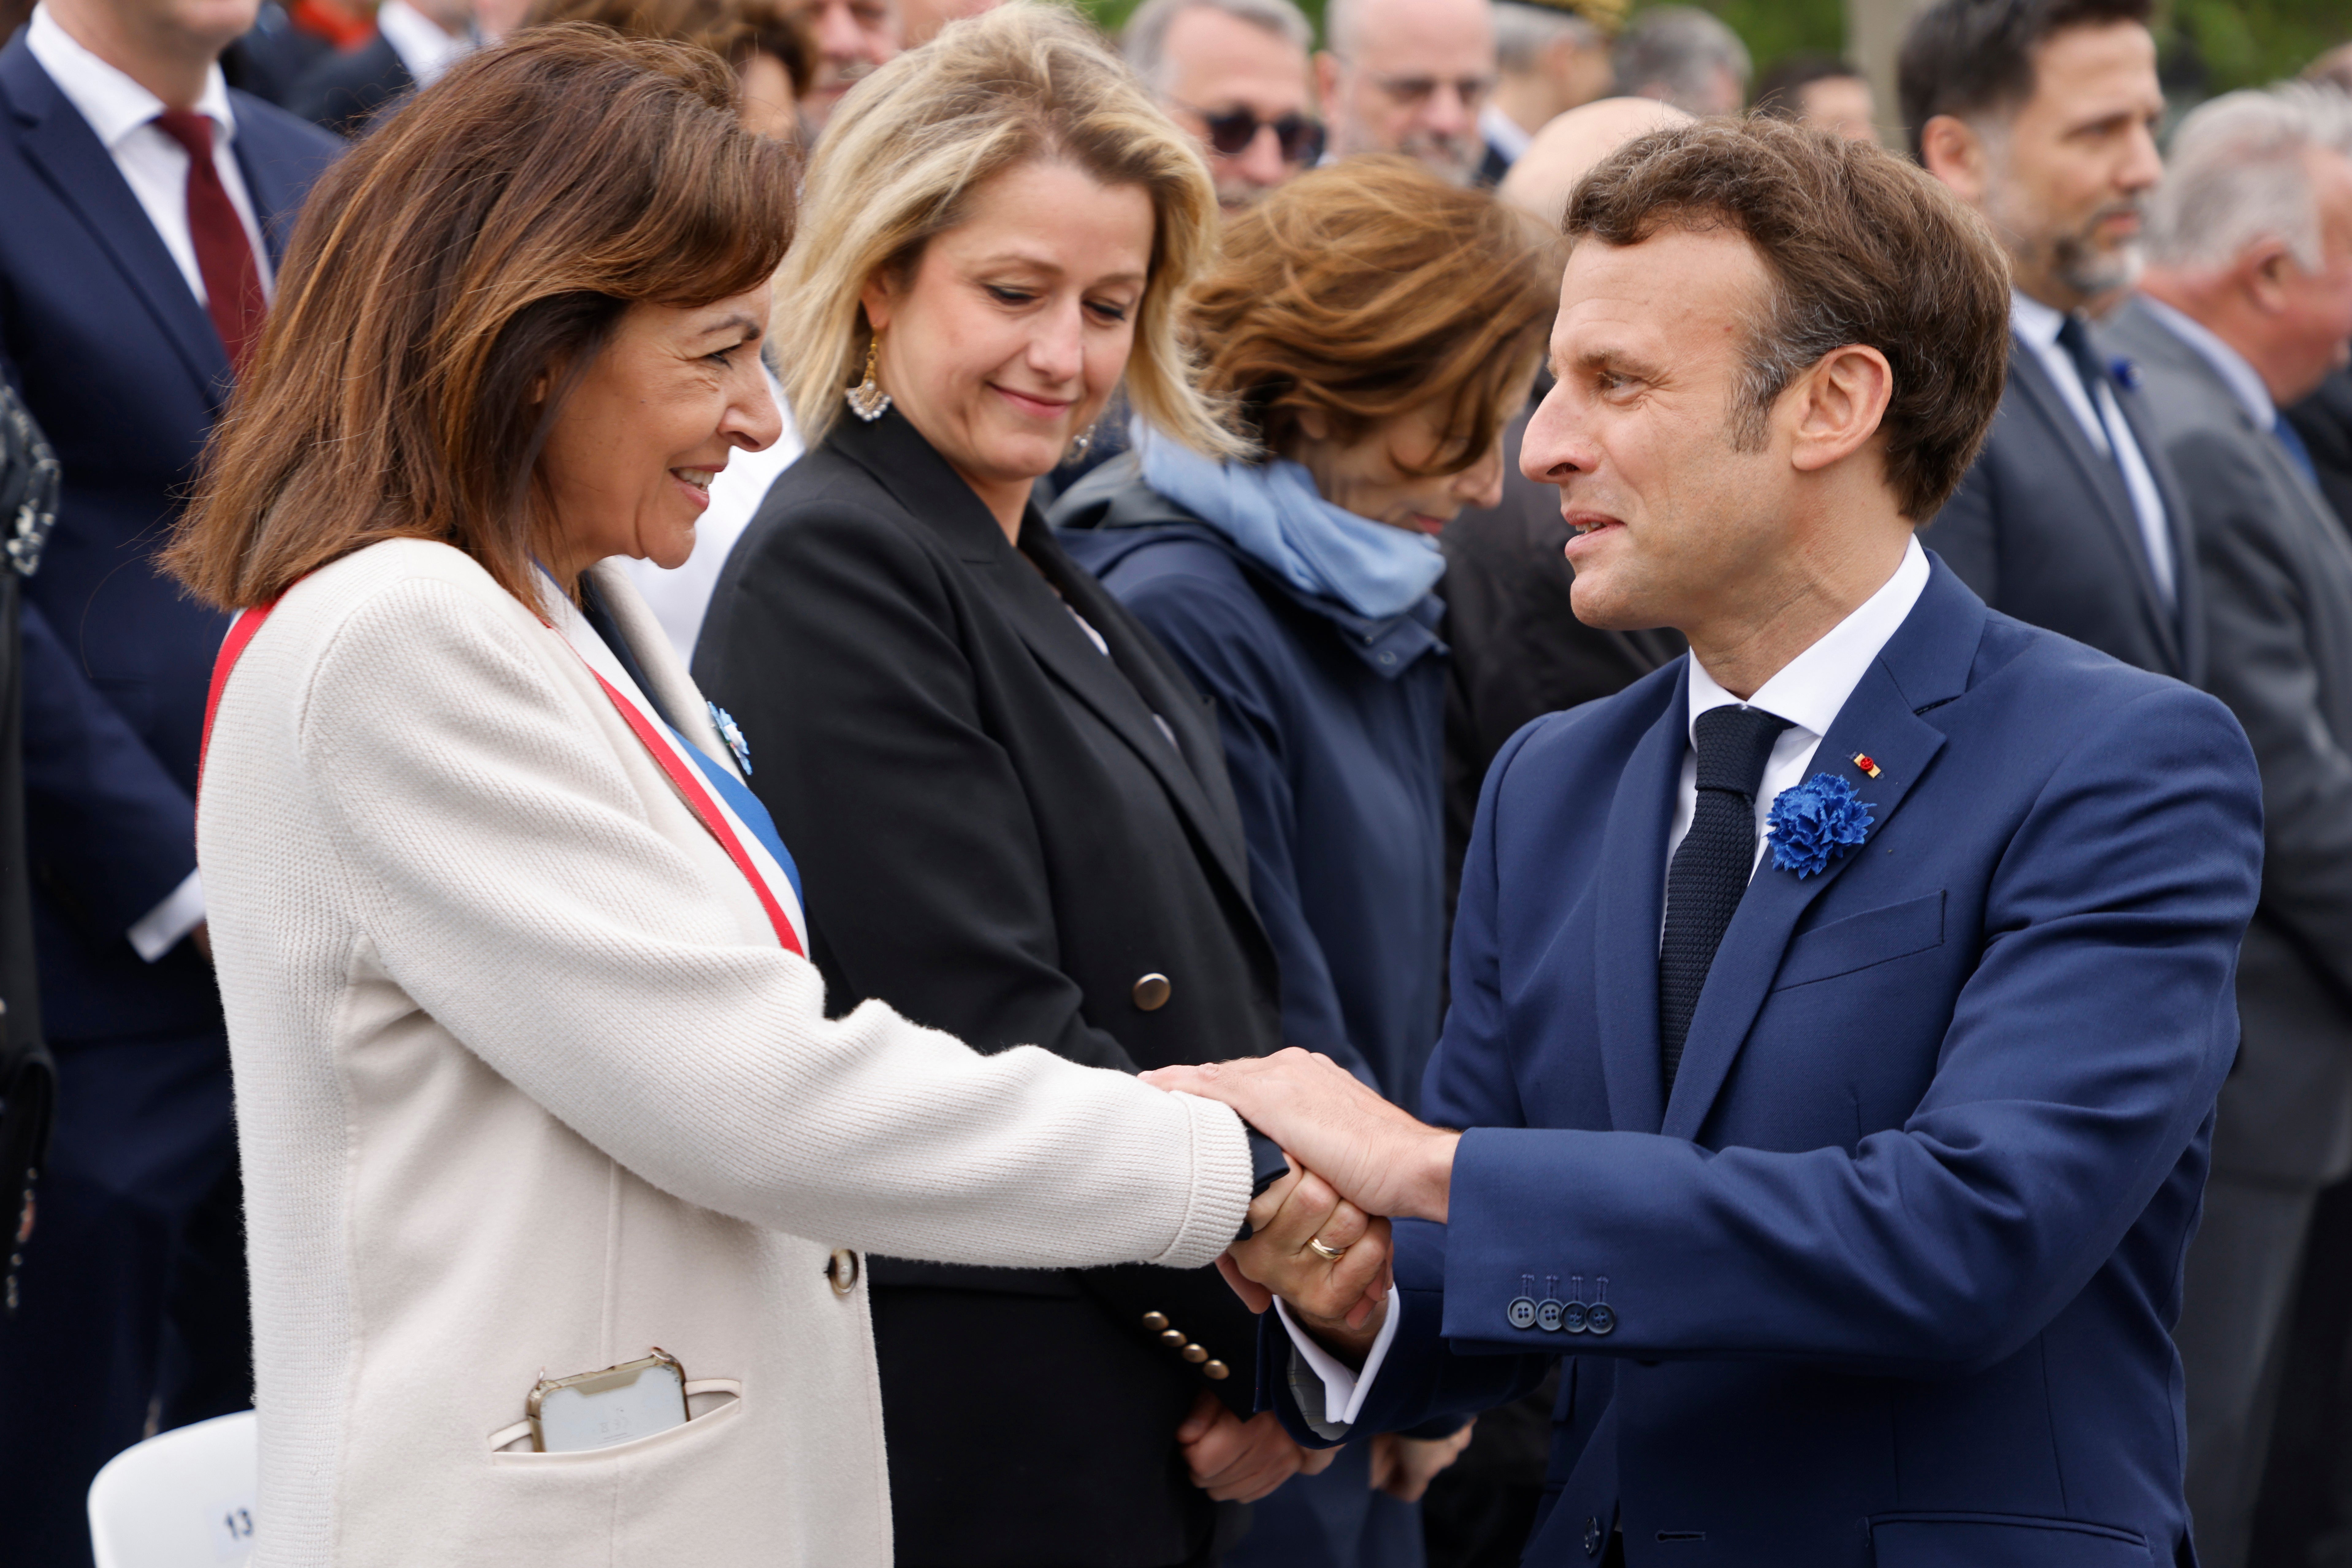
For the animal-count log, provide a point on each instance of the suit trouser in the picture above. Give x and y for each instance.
(2242, 1275)
(133, 1296)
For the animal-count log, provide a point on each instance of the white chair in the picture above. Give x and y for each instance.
(183, 1498)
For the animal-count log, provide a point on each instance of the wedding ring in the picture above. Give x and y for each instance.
(1328, 1254)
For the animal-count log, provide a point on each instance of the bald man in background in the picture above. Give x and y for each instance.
(1411, 77)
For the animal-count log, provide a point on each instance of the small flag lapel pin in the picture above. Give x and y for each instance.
(1861, 760)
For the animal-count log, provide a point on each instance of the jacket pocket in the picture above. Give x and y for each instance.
(1858, 942)
(2001, 1540)
(712, 1404)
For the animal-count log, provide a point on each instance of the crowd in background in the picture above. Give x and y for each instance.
(2169, 481)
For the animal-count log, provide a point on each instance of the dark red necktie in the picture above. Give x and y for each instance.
(223, 253)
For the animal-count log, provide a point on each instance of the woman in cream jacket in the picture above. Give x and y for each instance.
(531, 1077)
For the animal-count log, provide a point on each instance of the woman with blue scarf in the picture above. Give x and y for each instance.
(1372, 327)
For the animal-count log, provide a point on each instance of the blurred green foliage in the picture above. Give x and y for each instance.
(2210, 45)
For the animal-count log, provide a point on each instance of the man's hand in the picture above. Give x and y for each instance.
(1404, 1466)
(1373, 1154)
(1343, 1284)
(1235, 1460)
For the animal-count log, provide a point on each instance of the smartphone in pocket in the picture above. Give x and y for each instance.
(599, 1409)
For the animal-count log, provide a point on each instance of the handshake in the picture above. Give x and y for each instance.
(1319, 1240)
(1319, 1237)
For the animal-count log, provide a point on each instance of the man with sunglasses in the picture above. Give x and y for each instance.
(1235, 74)
(1411, 77)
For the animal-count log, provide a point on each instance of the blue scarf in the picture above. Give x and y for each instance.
(1274, 515)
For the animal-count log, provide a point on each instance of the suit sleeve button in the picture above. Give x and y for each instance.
(1172, 1339)
(1155, 1321)
(1521, 1312)
(1195, 1354)
(1151, 992)
(1593, 1538)
(1216, 1371)
(1601, 1318)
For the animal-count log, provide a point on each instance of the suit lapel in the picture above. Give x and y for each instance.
(59, 143)
(276, 189)
(1628, 912)
(919, 480)
(1926, 662)
(2107, 481)
(1112, 687)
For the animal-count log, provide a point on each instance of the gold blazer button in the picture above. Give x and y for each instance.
(1152, 993)
(842, 1269)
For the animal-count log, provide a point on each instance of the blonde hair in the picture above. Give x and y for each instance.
(906, 150)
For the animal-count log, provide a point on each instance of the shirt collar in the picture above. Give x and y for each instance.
(112, 103)
(2240, 377)
(1507, 135)
(420, 43)
(1810, 688)
(2034, 321)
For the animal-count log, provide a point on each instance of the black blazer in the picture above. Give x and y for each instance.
(345, 92)
(2043, 530)
(997, 838)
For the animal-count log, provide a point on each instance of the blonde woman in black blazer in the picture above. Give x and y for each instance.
(1010, 810)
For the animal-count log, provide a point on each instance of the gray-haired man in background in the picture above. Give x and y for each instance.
(1682, 55)
(2246, 305)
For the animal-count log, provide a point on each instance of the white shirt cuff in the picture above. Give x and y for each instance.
(1343, 1391)
(159, 931)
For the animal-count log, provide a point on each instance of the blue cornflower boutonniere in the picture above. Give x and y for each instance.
(1814, 823)
(732, 733)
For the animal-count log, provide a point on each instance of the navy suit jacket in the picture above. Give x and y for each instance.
(2042, 529)
(1895, 1267)
(101, 334)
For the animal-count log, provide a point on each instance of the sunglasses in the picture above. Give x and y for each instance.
(1231, 131)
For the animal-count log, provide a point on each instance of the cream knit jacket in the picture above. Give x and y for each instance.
(525, 1087)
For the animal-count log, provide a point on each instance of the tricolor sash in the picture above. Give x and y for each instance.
(727, 811)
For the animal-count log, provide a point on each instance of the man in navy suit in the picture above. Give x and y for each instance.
(2041, 115)
(147, 208)
(1853, 1187)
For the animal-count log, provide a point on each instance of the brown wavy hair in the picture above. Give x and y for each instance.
(1370, 289)
(446, 284)
(734, 30)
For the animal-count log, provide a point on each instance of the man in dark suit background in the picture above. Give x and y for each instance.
(415, 42)
(2246, 305)
(147, 204)
(2042, 114)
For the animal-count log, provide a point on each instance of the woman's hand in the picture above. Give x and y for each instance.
(1341, 1288)
(1235, 1460)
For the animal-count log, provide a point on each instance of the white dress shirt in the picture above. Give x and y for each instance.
(1505, 134)
(2036, 326)
(122, 115)
(424, 48)
(1808, 691)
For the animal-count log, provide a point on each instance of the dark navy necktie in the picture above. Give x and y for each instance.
(1712, 864)
(2075, 339)
(2288, 436)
